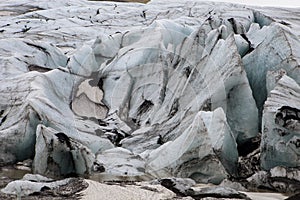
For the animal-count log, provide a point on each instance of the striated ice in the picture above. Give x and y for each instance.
(208, 141)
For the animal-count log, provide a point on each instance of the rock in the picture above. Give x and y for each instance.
(4, 178)
(188, 187)
(286, 180)
(259, 180)
(280, 136)
(71, 189)
(285, 173)
(233, 185)
(179, 186)
(217, 192)
(280, 179)
(25, 165)
(249, 164)
(294, 197)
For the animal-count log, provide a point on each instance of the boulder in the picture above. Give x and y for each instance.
(217, 192)
(179, 186)
(233, 185)
(285, 180)
(249, 164)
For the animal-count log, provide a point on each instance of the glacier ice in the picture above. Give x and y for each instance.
(141, 92)
(277, 48)
(204, 151)
(58, 155)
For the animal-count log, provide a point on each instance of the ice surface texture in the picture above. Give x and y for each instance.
(135, 92)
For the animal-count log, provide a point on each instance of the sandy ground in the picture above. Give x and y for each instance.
(97, 191)
(265, 196)
(142, 191)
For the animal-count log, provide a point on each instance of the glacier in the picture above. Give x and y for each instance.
(130, 91)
